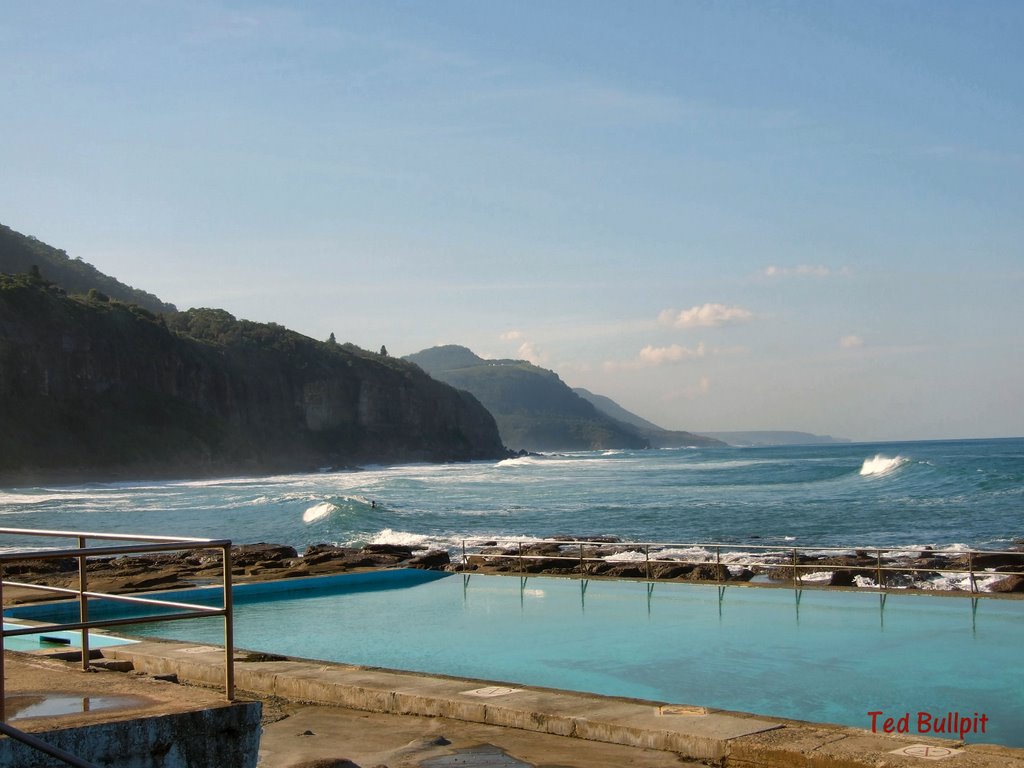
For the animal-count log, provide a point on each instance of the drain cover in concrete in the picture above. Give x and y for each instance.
(926, 752)
(485, 756)
(490, 691)
(681, 709)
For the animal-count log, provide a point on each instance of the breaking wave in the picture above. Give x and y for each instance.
(318, 512)
(881, 465)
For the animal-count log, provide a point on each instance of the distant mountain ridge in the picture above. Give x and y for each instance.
(536, 411)
(20, 253)
(757, 438)
(658, 437)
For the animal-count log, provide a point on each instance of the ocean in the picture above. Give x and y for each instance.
(946, 494)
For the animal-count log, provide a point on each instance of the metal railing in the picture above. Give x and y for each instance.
(590, 557)
(81, 553)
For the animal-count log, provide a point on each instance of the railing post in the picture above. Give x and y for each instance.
(583, 568)
(3, 688)
(970, 569)
(465, 560)
(647, 560)
(796, 571)
(229, 632)
(83, 603)
(520, 545)
(718, 563)
(878, 568)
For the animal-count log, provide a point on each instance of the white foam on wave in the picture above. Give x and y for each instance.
(520, 461)
(318, 512)
(881, 465)
(401, 538)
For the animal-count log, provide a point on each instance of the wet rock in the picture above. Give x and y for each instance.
(433, 559)
(842, 578)
(1009, 584)
(708, 572)
(663, 571)
(251, 554)
(744, 574)
(396, 550)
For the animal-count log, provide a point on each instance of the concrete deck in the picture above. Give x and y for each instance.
(688, 733)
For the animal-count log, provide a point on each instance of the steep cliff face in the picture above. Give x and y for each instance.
(93, 387)
(534, 408)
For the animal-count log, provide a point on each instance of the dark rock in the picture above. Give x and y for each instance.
(664, 571)
(543, 548)
(744, 574)
(251, 554)
(41, 566)
(994, 560)
(435, 559)
(627, 571)
(842, 578)
(709, 572)
(398, 550)
(1009, 584)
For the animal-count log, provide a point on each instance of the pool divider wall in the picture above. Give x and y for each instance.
(62, 610)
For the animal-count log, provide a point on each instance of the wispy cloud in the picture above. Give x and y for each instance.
(653, 357)
(705, 316)
(804, 270)
(528, 352)
(511, 336)
(851, 342)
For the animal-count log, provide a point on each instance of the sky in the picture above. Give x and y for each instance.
(722, 215)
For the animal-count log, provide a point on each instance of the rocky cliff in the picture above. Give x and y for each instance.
(535, 410)
(96, 388)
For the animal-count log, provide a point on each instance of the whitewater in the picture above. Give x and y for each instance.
(948, 495)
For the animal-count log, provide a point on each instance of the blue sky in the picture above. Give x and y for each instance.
(723, 215)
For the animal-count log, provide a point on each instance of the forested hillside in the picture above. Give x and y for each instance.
(91, 387)
(535, 410)
(22, 253)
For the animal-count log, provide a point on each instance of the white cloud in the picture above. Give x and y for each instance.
(529, 353)
(511, 336)
(851, 342)
(653, 357)
(804, 270)
(704, 316)
(674, 353)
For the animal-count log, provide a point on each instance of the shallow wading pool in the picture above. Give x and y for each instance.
(811, 655)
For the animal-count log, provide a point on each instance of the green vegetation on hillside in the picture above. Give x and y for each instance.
(92, 387)
(535, 410)
(657, 436)
(20, 253)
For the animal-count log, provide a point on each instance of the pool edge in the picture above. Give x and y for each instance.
(719, 736)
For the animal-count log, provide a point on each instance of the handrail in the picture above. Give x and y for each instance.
(82, 553)
(574, 550)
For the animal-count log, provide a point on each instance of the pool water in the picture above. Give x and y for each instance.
(813, 655)
(60, 640)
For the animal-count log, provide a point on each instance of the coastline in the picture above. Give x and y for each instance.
(268, 562)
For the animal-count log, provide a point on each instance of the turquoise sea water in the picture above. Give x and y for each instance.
(948, 493)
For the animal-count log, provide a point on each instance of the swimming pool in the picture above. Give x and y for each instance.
(811, 655)
(55, 641)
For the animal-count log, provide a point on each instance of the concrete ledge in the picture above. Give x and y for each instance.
(729, 739)
(227, 736)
